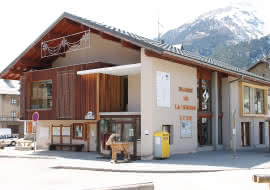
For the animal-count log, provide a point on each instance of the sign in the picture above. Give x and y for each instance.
(186, 129)
(35, 116)
(146, 132)
(89, 115)
(163, 89)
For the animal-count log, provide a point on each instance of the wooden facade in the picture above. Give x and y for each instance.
(74, 95)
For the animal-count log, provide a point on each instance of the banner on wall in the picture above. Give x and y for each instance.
(163, 89)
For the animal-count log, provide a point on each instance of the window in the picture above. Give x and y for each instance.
(246, 99)
(77, 130)
(41, 95)
(259, 101)
(261, 133)
(245, 134)
(204, 95)
(204, 131)
(169, 129)
(253, 99)
(13, 114)
(13, 100)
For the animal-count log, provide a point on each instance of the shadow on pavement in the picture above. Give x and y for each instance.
(244, 158)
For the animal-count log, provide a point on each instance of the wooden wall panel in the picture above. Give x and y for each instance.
(80, 99)
(111, 92)
(88, 94)
(23, 89)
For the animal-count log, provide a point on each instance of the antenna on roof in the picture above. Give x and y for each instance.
(159, 24)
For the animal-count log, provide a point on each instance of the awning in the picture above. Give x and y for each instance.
(121, 70)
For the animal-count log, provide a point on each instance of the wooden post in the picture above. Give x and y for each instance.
(260, 178)
(97, 96)
(135, 138)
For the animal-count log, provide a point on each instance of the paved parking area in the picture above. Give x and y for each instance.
(33, 174)
(196, 162)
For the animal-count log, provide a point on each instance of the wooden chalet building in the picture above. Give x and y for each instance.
(88, 80)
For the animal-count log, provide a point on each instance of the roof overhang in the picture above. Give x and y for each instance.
(122, 70)
(21, 64)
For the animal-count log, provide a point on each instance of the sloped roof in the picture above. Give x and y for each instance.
(259, 62)
(153, 45)
(9, 87)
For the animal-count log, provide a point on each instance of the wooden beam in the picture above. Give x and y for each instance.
(33, 64)
(129, 45)
(15, 71)
(109, 37)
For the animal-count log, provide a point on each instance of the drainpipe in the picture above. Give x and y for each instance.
(233, 129)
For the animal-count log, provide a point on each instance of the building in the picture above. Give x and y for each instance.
(9, 107)
(88, 80)
(261, 68)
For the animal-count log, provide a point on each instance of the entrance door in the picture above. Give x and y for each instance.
(245, 134)
(126, 132)
(204, 131)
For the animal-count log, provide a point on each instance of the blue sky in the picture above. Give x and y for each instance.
(23, 21)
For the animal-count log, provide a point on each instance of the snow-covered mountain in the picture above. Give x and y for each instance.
(228, 26)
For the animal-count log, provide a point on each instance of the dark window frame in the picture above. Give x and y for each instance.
(37, 98)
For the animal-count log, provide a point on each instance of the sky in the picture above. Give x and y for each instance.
(22, 21)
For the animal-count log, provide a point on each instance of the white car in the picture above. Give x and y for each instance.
(8, 140)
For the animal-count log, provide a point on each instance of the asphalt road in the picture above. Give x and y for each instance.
(33, 174)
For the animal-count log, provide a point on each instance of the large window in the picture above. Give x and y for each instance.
(78, 131)
(204, 95)
(41, 95)
(253, 99)
(259, 101)
(246, 99)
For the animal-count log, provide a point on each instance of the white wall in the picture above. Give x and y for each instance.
(154, 117)
(101, 50)
(235, 104)
(44, 139)
(134, 93)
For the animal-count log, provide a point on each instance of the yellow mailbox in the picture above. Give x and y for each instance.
(161, 144)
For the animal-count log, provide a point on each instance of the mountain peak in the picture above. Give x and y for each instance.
(228, 25)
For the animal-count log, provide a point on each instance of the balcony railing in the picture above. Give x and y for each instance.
(9, 118)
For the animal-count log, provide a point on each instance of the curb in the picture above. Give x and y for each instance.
(139, 171)
(31, 157)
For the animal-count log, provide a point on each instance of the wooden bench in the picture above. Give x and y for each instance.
(77, 147)
(260, 178)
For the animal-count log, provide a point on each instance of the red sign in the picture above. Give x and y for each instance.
(35, 116)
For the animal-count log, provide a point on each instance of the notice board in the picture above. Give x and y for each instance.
(163, 89)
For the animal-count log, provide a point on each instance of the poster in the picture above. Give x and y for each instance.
(163, 89)
(66, 131)
(44, 132)
(186, 129)
(56, 131)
